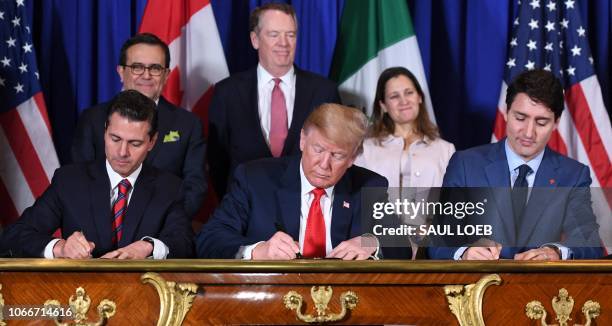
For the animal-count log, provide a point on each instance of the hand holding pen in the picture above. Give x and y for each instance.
(279, 247)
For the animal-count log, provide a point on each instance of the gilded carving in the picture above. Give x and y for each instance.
(175, 299)
(563, 304)
(320, 296)
(465, 301)
(2, 323)
(79, 305)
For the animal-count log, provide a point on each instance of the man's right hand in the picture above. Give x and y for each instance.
(75, 247)
(482, 253)
(279, 247)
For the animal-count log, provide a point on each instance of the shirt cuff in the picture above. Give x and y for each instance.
(160, 250)
(565, 251)
(48, 253)
(246, 252)
(459, 253)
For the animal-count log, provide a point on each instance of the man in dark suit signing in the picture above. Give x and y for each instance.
(180, 148)
(117, 207)
(309, 204)
(541, 205)
(260, 112)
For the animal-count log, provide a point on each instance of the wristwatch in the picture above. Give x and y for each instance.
(555, 248)
(149, 240)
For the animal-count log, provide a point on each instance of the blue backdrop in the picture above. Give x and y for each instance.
(463, 44)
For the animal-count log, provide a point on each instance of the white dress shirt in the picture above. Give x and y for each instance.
(160, 250)
(265, 85)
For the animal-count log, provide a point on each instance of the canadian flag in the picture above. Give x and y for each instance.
(197, 58)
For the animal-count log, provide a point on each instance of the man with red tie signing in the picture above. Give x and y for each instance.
(118, 207)
(307, 205)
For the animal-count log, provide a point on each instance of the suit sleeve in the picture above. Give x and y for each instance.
(34, 229)
(579, 225)
(176, 232)
(223, 235)
(194, 180)
(83, 149)
(218, 143)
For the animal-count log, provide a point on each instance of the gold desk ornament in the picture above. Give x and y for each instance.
(175, 299)
(2, 323)
(79, 306)
(465, 301)
(563, 306)
(321, 296)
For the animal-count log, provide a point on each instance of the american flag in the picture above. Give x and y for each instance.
(549, 35)
(27, 155)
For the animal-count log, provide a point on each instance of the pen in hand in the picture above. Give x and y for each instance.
(280, 228)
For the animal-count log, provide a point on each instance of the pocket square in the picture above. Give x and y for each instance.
(172, 136)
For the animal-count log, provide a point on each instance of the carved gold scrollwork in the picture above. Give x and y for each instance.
(563, 306)
(2, 323)
(320, 296)
(175, 299)
(465, 301)
(79, 306)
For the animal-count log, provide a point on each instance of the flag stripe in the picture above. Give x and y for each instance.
(13, 179)
(166, 18)
(24, 152)
(42, 109)
(40, 136)
(583, 120)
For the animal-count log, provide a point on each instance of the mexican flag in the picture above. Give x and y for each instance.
(375, 35)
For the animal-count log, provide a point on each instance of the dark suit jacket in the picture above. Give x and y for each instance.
(558, 209)
(183, 157)
(267, 192)
(78, 199)
(235, 134)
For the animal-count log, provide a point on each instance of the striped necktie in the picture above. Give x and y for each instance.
(119, 210)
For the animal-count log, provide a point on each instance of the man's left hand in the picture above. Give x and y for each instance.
(354, 249)
(544, 253)
(136, 250)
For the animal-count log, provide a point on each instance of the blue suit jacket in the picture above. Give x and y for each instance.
(78, 199)
(266, 192)
(183, 157)
(234, 131)
(558, 209)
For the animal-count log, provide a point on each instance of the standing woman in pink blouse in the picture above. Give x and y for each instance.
(403, 145)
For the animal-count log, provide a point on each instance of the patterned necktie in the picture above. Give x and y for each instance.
(119, 209)
(519, 194)
(314, 240)
(278, 120)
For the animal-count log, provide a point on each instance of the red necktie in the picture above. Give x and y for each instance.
(119, 209)
(314, 240)
(278, 120)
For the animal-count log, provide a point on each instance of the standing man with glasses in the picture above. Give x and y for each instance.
(144, 63)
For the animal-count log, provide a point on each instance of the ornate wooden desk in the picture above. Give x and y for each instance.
(205, 292)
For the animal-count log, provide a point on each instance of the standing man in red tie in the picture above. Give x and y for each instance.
(304, 205)
(259, 113)
(117, 207)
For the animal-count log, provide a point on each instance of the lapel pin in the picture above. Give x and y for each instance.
(346, 204)
(551, 181)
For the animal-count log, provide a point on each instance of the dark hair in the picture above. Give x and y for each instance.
(143, 38)
(135, 107)
(382, 124)
(541, 86)
(256, 14)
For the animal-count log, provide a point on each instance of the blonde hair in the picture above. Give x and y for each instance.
(341, 124)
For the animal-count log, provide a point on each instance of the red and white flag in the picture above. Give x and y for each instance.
(197, 58)
(552, 37)
(27, 154)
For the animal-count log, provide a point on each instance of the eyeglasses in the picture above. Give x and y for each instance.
(139, 69)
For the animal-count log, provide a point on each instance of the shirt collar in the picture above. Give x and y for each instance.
(307, 188)
(393, 138)
(115, 178)
(514, 160)
(264, 76)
